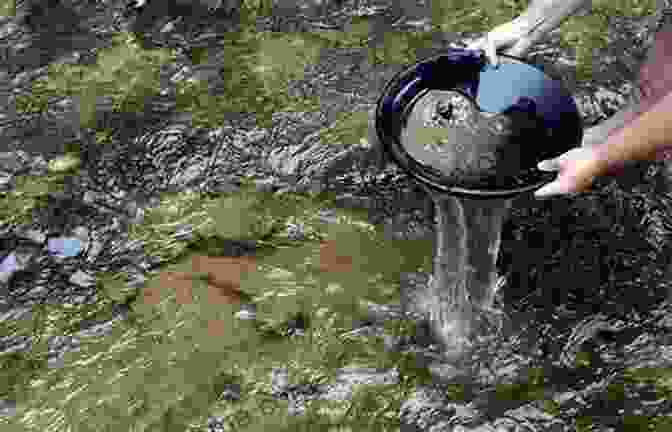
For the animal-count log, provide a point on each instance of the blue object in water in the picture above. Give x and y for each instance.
(65, 246)
(8, 265)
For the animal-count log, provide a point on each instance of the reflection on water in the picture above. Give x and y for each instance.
(463, 283)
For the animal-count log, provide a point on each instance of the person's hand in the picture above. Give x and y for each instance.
(514, 35)
(577, 169)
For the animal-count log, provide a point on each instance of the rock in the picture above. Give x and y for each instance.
(16, 261)
(82, 279)
(10, 344)
(58, 346)
(6, 181)
(349, 377)
(11, 162)
(231, 392)
(247, 311)
(279, 380)
(8, 312)
(8, 408)
(427, 407)
(34, 235)
(266, 185)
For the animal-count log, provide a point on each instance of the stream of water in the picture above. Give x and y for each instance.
(464, 277)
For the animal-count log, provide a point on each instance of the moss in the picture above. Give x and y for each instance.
(587, 34)
(125, 72)
(18, 370)
(30, 192)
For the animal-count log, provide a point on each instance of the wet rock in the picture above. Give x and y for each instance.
(231, 392)
(6, 181)
(428, 407)
(10, 313)
(348, 378)
(247, 311)
(16, 261)
(296, 231)
(8, 408)
(266, 185)
(411, 287)
(349, 200)
(378, 313)
(35, 235)
(226, 187)
(10, 344)
(327, 216)
(279, 380)
(58, 346)
(184, 232)
(82, 279)
(12, 162)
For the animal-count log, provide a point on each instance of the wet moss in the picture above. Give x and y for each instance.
(17, 371)
(28, 194)
(124, 72)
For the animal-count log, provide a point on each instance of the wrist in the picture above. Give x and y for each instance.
(607, 156)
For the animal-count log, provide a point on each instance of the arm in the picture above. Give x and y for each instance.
(541, 17)
(646, 137)
(643, 139)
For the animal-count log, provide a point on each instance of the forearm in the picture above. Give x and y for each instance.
(643, 139)
(540, 18)
(551, 13)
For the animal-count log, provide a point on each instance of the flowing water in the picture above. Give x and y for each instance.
(463, 283)
(464, 279)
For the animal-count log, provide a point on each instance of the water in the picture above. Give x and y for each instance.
(462, 286)
(441, 132)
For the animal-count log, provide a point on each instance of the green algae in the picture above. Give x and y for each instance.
(167, 337)
(28, 194)
(124, 72)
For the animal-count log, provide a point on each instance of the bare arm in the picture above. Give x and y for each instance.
(555, 11)
(543, 16)
(643, 139)
(646, 136)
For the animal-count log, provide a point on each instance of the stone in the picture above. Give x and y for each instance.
(6, 181)
(14, 262)
(11, 162)
(8, 408)
(34, 235)
(279, 379)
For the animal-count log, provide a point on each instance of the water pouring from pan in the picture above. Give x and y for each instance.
(472, 134)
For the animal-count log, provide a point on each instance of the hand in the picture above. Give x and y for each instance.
(577, 168)
(514, 35)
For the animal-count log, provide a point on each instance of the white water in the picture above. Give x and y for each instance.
(436, 133)
(464, 277)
